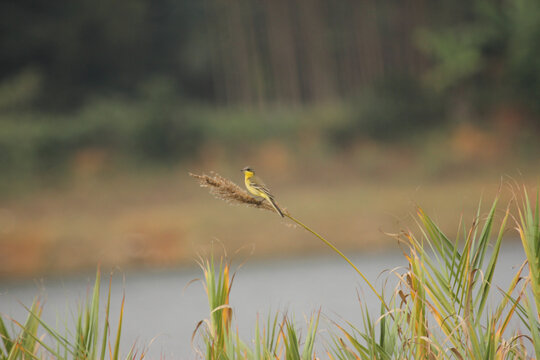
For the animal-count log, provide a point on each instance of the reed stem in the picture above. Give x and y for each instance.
(329, 244)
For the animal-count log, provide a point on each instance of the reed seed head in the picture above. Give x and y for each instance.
(224, 189)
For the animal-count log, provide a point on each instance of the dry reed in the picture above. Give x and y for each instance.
(224, 189)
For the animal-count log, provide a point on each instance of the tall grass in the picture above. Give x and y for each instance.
(528, 225)
(276, 340)
(440, 302)
(35, 339)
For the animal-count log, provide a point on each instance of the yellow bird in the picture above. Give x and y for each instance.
(256, 187)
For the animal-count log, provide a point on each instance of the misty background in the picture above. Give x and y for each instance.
(352, 112)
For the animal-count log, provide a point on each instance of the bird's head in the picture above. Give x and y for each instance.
(248, 171)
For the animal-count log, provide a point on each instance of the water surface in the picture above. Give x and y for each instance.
(160, 310)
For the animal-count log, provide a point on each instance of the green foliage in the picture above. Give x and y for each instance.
(88, 47)
(494, 54)
(34, 144)
(59, 58)
(156, 129)
(394, 108)
(457, 52)
(26, 343)
(438, 310)
(169, 78)
(375, 340)
(278, 340)
(20, 90)
(529, 232)
(81, 342)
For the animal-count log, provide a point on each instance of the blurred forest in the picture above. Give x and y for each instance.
(139, 81)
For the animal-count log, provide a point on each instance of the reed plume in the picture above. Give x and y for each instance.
(224, 189)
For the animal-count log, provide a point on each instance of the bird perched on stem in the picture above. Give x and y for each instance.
(256, 187)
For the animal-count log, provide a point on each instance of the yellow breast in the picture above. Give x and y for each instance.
(251, 189)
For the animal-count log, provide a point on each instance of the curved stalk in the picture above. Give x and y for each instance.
(330, 245)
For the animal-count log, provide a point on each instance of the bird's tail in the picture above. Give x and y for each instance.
(274, 205)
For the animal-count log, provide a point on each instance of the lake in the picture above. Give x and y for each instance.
(159, 308)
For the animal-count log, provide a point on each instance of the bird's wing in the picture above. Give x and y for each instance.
(257, 184)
